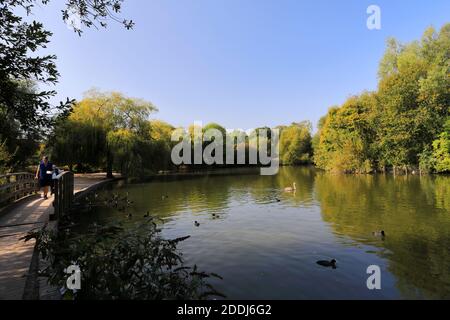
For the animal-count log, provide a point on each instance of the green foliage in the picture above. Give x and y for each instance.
(30, 108)
(295, 144)
(441, 150)
(20, 143)
(25, 110)
(212, 126)
(397, 124)
(112, 126)
(75, 143)
(426, 161)
(5, 158)
(161, 145)
(132, 264)
(112, 131)
(346, 136)
(161, 131)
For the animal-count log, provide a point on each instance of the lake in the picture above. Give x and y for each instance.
(266, 248)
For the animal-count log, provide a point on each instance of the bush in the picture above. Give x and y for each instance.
(441, 150)
(117, 264)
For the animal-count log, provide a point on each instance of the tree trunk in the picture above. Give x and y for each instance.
(109, 165)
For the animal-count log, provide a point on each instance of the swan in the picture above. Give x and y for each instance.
(291, 189)
(379, 233)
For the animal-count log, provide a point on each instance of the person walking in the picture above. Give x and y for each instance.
(44, 174)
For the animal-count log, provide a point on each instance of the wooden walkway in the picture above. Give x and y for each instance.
(15, 255)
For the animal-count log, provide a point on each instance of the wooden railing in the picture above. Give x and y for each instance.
(64, 188)
(15, 186)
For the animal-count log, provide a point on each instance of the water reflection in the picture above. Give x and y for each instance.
(414, 212)
(265, 242)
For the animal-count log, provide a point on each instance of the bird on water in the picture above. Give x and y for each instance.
(327, 264)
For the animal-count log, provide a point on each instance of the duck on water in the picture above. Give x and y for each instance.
(327, 264)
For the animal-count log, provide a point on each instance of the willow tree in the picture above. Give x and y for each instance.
(78, 143)
(160, 134)
(105, 128)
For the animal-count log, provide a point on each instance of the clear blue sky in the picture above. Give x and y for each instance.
(241, 63)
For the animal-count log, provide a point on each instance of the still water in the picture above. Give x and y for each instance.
(266, 248)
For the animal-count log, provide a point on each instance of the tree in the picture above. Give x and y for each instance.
(105, 128)
(160, 134)
(295, 144)
(347, 135)
(441, 150)
(78, 142)
(5, 158)
(25, 109)
(396, 125)
(17, 40)
(414, 96)
(161, 131)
